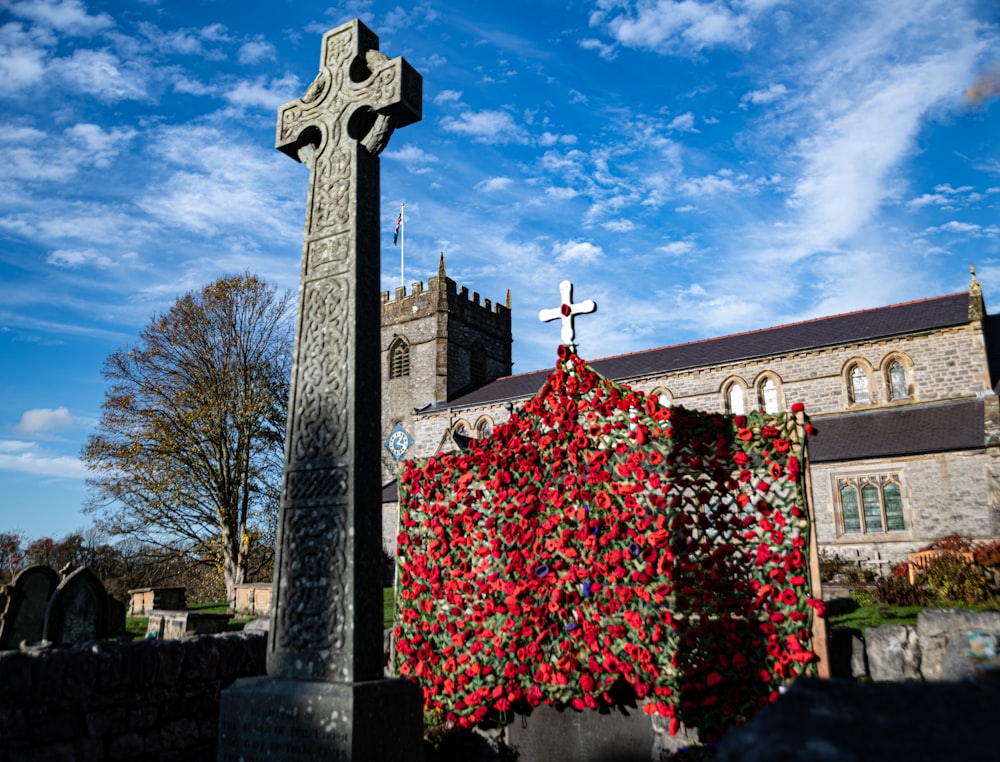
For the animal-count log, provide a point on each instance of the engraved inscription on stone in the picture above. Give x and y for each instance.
(266, 738)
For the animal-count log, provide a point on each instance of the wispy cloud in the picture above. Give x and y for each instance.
(487, 126)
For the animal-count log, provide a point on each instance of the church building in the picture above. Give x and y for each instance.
(902, 398)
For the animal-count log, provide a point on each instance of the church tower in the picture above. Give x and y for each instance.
(438, 342)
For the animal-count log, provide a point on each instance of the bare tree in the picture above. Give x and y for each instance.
(189, 447)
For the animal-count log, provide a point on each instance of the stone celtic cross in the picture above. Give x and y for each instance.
(327, 614)
(567, 312)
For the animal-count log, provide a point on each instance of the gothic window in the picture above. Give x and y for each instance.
(399, 358)
(662, 396)
(735, 398)
(768, 395)
(858, 386)
(897, 381)
(484, 427)
(870, 504)
(477, 364)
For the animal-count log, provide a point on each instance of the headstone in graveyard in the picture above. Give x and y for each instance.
(323, 697)
(78, 609)
(23, 618)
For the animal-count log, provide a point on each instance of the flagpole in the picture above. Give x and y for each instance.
(402, 247)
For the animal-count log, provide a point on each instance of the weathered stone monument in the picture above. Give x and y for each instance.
(23, 616)
(323, 697)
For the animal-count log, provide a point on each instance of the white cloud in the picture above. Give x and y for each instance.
(448, 96)
(256, 51)
(561, 193)
(494, 184)
(605, 51)
(676, 248)
(415, 159)
(77, 257)
(577, 252)
(761, 97)
(264, 94)
(683, 123)
(619, 226)
(671, 25)
(40, 420)
(486, 126)
(62, 466)
(67, 16)
(103, 74)
(22, 59)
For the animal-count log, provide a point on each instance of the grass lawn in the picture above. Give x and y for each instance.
(388, 599)
(874, 615)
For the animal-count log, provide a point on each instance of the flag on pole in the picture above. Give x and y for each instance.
(399, 222)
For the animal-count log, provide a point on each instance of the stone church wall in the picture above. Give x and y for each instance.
(942, 494)
(148, 700)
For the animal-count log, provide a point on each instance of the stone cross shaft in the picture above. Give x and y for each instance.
(567, 312)
(327, 613)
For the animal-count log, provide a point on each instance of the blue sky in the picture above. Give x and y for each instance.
(696, 168)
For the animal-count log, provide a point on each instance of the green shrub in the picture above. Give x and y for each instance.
(897, 591)
(954, 579)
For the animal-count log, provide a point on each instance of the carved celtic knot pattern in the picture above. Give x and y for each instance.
(383, 88)
(320, 413)
(331, 187)
(312, 607)
(315, 486)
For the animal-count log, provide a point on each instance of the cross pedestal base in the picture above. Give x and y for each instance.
(264, 719)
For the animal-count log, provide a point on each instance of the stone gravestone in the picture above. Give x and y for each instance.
(323, 697)
(23, 618)
(78, 609)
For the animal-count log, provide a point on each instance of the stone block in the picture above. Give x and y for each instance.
(15, 674)
(180, 734)
(956, 664)
(12, 723)
(80, 678)
(170, 659)
(264, 719)
(54, 725)
(107, 721)
(550, 735)
(893, 653)
(859, 657)
(837, 720)
(126, 746)
(56, 752)
(88, 750)
(934, 626)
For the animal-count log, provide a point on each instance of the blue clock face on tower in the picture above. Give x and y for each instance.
(398, 442)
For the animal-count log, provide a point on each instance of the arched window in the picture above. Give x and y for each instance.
(769, 393)
(662, 396)
(736, 398)
(898, 389)
(858, 389)
(399, 358)
(484, 427)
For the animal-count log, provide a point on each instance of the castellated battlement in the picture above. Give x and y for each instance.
(439, 294)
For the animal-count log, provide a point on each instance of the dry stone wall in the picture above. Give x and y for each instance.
(148, 700)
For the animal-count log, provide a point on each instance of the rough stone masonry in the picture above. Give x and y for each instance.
(323, 697)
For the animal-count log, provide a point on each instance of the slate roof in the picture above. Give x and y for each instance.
(848, 328)
(910, 430)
